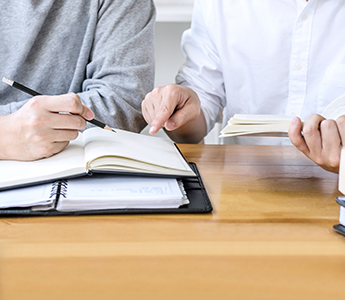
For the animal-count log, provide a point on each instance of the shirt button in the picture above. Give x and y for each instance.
(298, 66)
(304, 17)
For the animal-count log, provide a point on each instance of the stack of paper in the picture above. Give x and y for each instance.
(98, 192)
(268, 125)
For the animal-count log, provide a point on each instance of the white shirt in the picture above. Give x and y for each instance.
(265, 56)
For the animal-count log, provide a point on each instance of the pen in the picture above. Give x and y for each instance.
(34, 93)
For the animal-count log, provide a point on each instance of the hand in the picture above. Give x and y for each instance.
(39, 130)
(321, 140)
(176, 108)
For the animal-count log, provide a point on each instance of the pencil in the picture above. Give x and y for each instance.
(34, 93)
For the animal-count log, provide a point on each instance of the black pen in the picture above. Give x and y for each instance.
(34, 93)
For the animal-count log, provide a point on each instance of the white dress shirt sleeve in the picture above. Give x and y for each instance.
(202, 70)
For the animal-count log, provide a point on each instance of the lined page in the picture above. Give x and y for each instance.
(111, 192)
(27, 196)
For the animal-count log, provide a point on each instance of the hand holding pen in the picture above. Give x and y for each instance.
(34, 93)
(39, 130)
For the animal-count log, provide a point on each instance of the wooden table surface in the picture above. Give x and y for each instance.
(270, 236)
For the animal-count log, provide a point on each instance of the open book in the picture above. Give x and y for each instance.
(267, 125)
(274, 125)
(99, 192)
(100, 151)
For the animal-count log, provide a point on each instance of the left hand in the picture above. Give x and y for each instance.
(319, 139)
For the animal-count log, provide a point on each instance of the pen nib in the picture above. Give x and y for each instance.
(108, 128)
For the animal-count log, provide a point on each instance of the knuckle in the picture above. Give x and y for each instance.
(47, 151)
(326, 125)
(164, 109)
(79, 122)
(74, 134)
(155, 92)
(171, 90)
(144, 103)
(74, 102)
(307, 130)
(34, 102)
(341, 122)
(334, 162)
(34, 121)
(318, 160)
(39, 140)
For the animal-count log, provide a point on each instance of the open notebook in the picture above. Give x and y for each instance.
(100, 151)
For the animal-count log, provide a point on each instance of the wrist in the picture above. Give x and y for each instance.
(7, 136)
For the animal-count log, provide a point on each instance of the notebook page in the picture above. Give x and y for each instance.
(152, 150)
(27, 196)
(108, 191)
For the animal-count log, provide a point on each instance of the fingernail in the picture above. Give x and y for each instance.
(89, 115)
(294, 120)
(153, 129)
(170, 125)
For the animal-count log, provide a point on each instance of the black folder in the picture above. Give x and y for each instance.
(194, 187)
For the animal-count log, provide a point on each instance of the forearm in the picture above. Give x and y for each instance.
(5, 132)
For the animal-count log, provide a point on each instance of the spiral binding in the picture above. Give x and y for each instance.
(63, 188)
(55, 189)
(59, 188)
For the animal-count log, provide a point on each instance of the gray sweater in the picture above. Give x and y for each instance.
(103, 50)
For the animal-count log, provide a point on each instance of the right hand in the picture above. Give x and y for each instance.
(319, 139)
(171, 107)
(39, 130)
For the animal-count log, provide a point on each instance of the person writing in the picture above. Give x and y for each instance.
(90, 59)
(259, 57)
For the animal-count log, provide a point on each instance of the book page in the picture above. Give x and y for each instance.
(264, 125)
(66, 163)
(157, 153)
(264, 119)
(111, 192)
(27, 196)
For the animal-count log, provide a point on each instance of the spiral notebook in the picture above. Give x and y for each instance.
(108, 194)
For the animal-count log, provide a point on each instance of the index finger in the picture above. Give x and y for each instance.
(69, 103)
(164, 112)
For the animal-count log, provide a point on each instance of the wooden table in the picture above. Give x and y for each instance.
(270, 236)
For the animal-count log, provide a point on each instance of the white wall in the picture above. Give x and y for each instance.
(169, 56)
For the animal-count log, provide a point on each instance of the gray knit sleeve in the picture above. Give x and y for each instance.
(121, 67)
